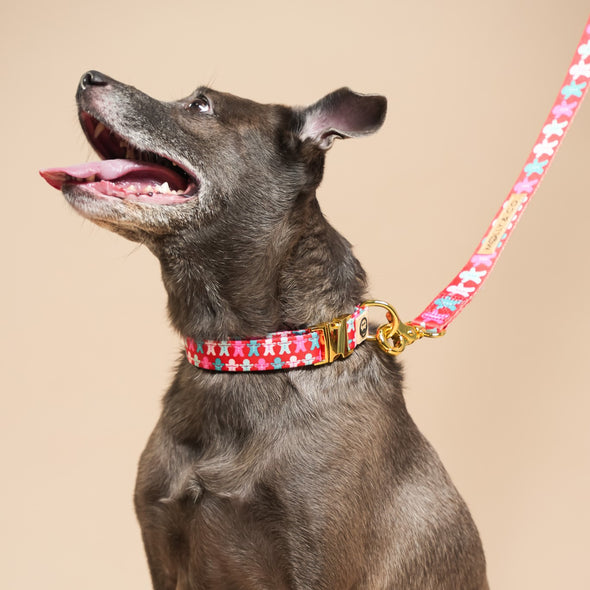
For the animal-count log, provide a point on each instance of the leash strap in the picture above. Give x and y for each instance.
(445, 307)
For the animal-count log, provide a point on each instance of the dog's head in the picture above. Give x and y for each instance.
(172, 165)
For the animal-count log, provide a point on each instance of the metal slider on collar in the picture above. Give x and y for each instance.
(335, 339)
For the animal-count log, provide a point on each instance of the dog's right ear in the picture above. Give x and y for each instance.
(341, 114)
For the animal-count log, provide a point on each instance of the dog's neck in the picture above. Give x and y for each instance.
(284, 272)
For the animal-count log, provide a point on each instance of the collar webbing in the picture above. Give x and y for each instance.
(312, 346)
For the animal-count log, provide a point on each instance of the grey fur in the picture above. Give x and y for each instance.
(312, 478)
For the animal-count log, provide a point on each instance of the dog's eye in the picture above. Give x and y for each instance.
(201, 104)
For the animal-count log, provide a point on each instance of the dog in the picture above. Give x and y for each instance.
(309, 478)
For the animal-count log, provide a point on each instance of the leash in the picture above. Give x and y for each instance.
(337, 338)
(450, 301)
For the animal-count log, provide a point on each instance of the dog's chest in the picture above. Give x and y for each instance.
(245, 519)
(232, 541)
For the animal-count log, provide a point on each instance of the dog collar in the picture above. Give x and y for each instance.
(313, 346)
(309, 347)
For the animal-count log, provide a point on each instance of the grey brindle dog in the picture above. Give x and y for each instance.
(309, 478)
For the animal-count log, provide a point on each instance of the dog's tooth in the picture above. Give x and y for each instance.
(99, 129)
(165, 188)
(91, 178)
(129, 153)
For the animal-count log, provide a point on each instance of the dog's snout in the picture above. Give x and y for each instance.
(93, 78)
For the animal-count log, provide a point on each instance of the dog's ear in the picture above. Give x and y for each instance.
(342, 113)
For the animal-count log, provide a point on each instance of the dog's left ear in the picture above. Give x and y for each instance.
(342, 113)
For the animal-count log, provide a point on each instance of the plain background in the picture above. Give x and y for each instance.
(86, 349)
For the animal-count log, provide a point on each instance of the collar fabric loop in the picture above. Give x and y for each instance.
(281, 350)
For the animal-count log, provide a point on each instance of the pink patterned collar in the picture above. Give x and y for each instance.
(312, 346)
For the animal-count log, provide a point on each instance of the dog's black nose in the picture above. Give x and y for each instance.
(93, 78)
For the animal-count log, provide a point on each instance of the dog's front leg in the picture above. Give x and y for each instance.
(159, 506)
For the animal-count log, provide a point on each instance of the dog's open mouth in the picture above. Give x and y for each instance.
(125, 172)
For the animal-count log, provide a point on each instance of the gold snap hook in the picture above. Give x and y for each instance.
(394, 336)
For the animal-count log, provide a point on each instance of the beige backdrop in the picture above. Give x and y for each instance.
(86, 349)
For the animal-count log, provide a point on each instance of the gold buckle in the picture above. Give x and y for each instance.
(335, 339)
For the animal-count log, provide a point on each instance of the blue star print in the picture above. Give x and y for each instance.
(573, 89)
(535, 167)
(446, 302)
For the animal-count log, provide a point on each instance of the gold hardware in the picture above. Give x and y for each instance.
(335, 339)
(394, 336)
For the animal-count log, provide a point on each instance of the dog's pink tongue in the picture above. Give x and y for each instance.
(109, 170)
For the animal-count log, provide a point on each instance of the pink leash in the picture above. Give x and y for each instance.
(447, 305)
(339, 337)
